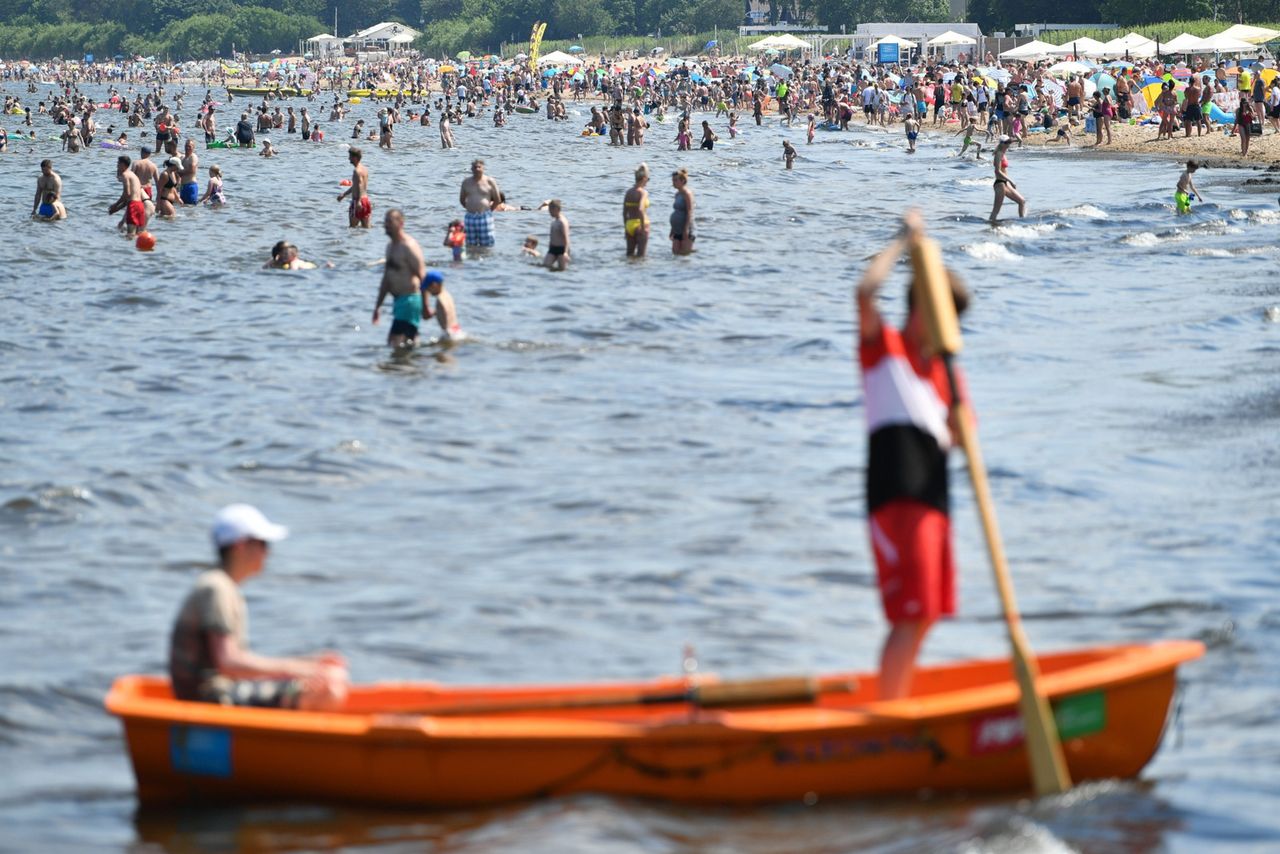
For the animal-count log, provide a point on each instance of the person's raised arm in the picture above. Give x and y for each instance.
(869, 320)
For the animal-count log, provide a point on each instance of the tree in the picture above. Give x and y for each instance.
(571, 17)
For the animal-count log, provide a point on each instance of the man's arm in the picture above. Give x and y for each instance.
(35, 206)
(495, 195)
(869, 320)
(234, 661)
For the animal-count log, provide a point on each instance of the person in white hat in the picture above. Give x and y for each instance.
(209, 656)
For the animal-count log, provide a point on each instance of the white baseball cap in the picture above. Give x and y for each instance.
(237, 522)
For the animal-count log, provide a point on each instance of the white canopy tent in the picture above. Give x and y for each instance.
(1034, 49)
(786, 41)
(900, 42)
(559, 57)
(1226, 44)
(1253, 35)
(1134, 44)
(1186, 43)
(1079, 47)
(950, 38)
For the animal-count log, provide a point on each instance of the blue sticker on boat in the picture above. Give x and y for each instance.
(200, 750)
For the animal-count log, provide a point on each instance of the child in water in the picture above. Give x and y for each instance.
(912, 126)
(788, 153)
(1186, 188)
(213, 191)
(530, 247)
(50, 209)
(733, 126)
(456, 238)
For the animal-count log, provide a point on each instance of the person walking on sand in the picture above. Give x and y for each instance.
(1244, 124)
(635, 214)
(360, 209)
(1003, 185)
(910, 418)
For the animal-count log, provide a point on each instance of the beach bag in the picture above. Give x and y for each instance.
(1090, 124)
(1255, 129)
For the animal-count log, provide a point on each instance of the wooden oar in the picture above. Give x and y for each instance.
(712, 695)
(933, 296)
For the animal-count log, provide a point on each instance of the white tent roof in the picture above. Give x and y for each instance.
(900, 42)
(1186, 43)
(951, 37)
(402, 38)
(1226, 44)
(1031, 50)
(324, 37)
(786, 41)
(384, 32)
(1082, 47)
(1134, 44)
(1253, 35)
(559, 57)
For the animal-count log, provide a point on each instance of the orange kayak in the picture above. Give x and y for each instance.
(426, 745)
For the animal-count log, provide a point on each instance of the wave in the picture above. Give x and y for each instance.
(990, 251)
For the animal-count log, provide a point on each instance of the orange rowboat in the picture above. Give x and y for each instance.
(960, 731)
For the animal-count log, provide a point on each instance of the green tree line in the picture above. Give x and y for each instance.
(994, 15)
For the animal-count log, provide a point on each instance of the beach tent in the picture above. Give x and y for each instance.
(1253, 35)
(1080, 47)
(1226, 44)
(559, 57)
(1034, 49)
(1186, 43)
(949, 38)
(786, 41)
(1134, 44)
(900, 42)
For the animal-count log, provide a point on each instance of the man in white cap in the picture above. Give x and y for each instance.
(209, 656)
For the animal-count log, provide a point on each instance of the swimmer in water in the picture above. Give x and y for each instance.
(360, 211)
(788, 153)
(558, 244)
(284, 256)
(130, 201)
(213, 193)
(268, 150)
(1186, 188)
(48, 182)
(403, 278)
(50, 209)
(530, 247)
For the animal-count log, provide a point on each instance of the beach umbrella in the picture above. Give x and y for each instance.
(1267, 75)
(577, 48)
(521, 56)
(1071, 68)
(446, 69)
(1055, 88)
(781, 70)
(1182, 73)
(549, 72)
(464, 55)
(950, 38)
(711, 44)
(1000, 75)
(1118, 63)
(1104, 81)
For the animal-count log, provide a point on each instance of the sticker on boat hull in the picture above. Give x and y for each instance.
(1075, 717)
(200, 750)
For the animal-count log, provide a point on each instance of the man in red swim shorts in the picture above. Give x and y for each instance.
(908, 405)
(135, 212)
(361, 209)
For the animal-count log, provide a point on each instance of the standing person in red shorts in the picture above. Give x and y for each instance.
(130, 201)
(908, 405)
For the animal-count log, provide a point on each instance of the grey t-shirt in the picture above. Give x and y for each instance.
(214, 606)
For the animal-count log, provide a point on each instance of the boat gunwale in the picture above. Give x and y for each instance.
(1116, 666)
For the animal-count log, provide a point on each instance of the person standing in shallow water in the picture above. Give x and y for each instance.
(360, 210)
(1003, 186)
(635, 214)
(682, 231)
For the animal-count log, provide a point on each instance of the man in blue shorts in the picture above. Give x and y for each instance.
(209, 656)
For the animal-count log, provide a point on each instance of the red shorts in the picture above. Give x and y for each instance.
(915, 567)
(146, 190)
(362, 208)
(136, 215)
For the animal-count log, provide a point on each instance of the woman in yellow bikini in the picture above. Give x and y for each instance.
(635, 214)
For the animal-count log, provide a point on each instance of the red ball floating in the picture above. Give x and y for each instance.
(146, 241)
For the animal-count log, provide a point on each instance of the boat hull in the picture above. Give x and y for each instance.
(1111, 709)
